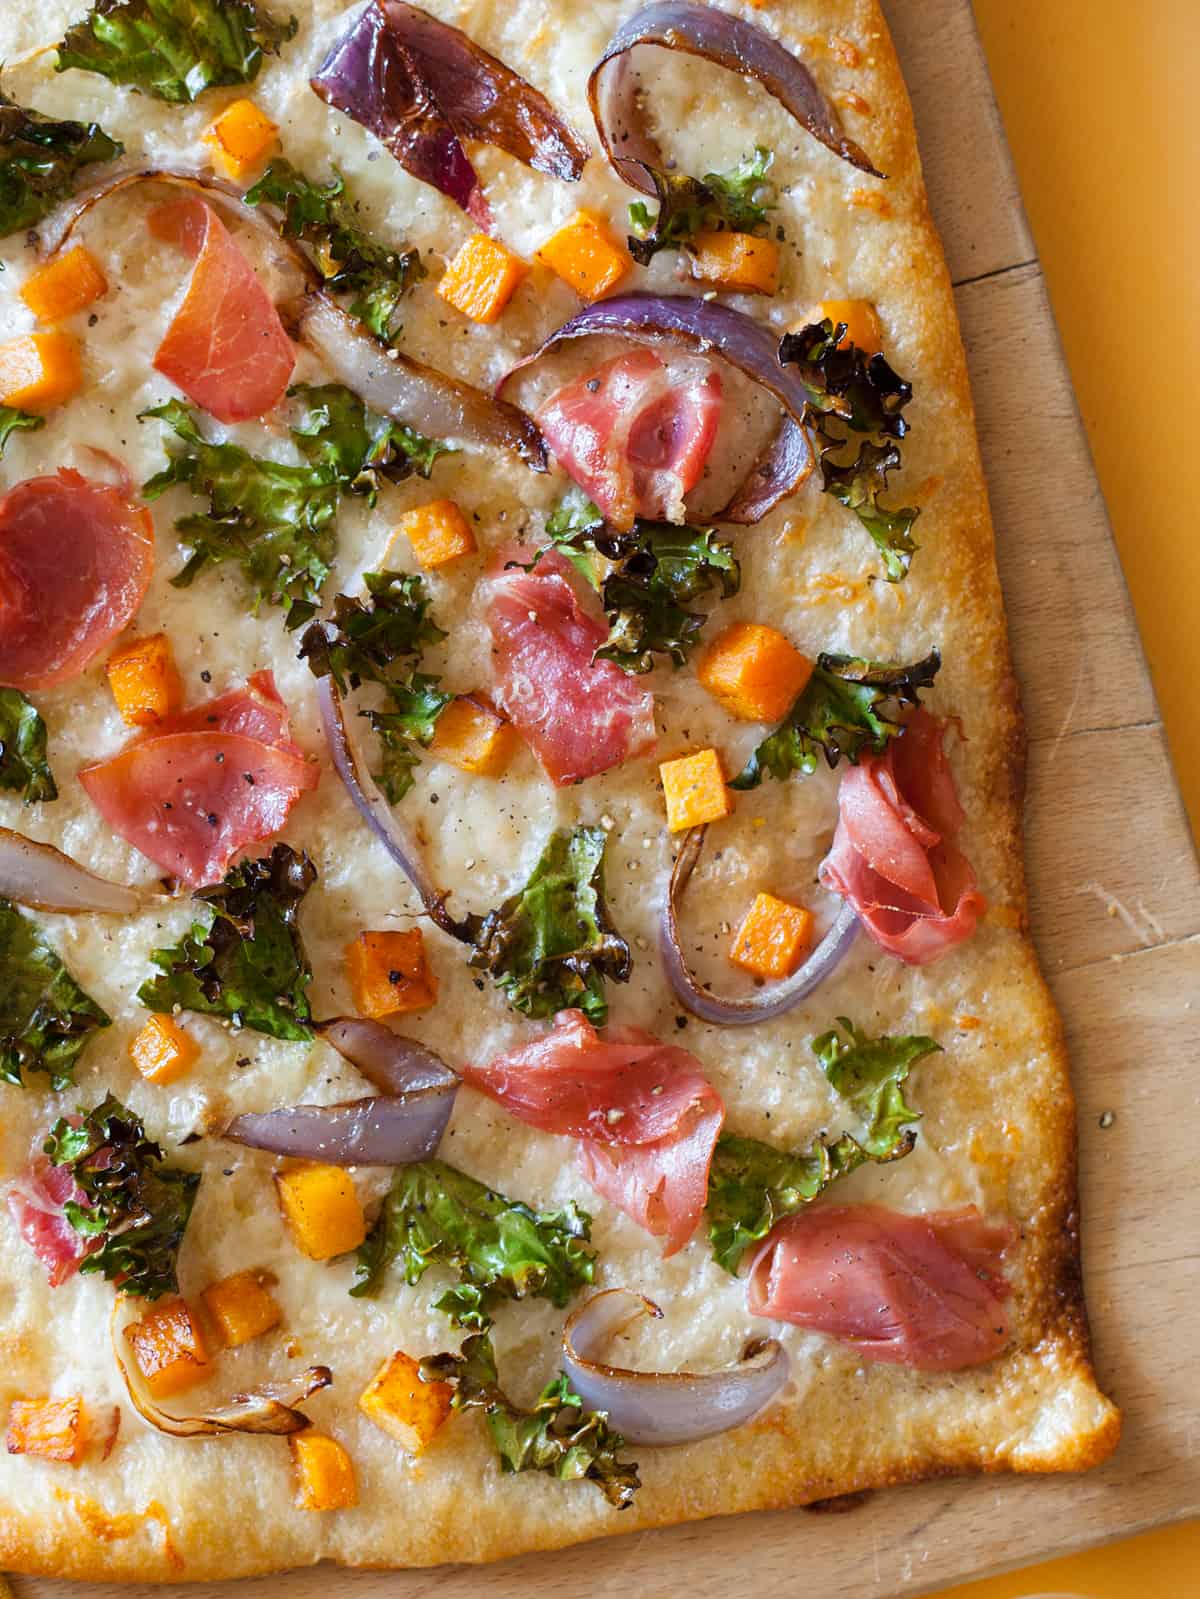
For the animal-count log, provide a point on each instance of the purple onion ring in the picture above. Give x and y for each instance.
(772, 1002)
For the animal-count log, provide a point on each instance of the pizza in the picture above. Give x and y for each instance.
(517, 1017)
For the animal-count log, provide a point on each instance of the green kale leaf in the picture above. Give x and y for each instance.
(848, 708)
(40, 159)
(12, 421)
(173, 49)
(364, 642)
(644, 578)
(435, 1215)
(23, 763)
(557, 1436)
(138, 1206)
(359, 450)
(248, 961)
(738, 200)
(321, 216)
(551, 946)
(46, 1019)
(753, 1185)
(857, 485)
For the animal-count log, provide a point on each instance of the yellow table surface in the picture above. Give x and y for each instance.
(1098, 100)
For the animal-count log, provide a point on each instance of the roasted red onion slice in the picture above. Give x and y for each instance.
(658, 1407)
(394, 1064)
(702, 30)
(392, 384)
(269, 1408)
(375, 810)
(708, 328)
(773, 1001)
(44, 879)
(422, 87)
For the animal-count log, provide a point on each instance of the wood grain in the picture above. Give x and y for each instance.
(1116, 912)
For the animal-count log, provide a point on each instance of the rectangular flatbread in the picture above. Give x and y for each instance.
(990, 1116)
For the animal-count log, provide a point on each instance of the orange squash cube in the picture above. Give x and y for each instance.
(321, 1206)
(438, 533)
(240, 139)
(482, 278)
(738, 261)
(471, 735)
(66, 284)
(861, 318)
(773, 937)
(52, 1429)
(162, 1051)
(584, 254)
(694, 789)
(407, 1409)
(241, 1308)
(324, 1472)
(389, 973)
(169, 1348)
(39, 371)
(754, 671)
(145, 681)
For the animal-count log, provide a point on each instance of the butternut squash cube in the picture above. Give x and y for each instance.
(754, 671)
(53, 1429)
(695, 791)
(471, 735)
(438, 533)
(482, 278)
(66, 284)
(39, 371)
(145, 681)
(241, 1308)
(407, 1409)
(240, 139)
(861, 318)
(772, 938)
(389, 973)
(324, 1472)
(169, 1348)
(738, 261)
(584, 254)
(320, 1205)
(162, 1051)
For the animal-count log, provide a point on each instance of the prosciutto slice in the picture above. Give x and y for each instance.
(207, 784)
(226, 347)
(634, 439)
(36, 1202)
(580, 716)
(921, 1291)
(646, 1117)
(76, 559)
(893, 855)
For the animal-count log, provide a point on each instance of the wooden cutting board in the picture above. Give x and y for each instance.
(1116, 911)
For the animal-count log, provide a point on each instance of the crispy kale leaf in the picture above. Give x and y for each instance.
(849, 707)
(321, 216)
(46, 1019)
(173, 49)
(551, 946)
(738, 200)
(23, 763)
(40, 159)
(132, 1201)
(753, 1185)
(435, 1215)
(557, 1436)
(278, 521)
(12, 420)
(851, 392)
(364, 642)
(645, 579)
(248, 962)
